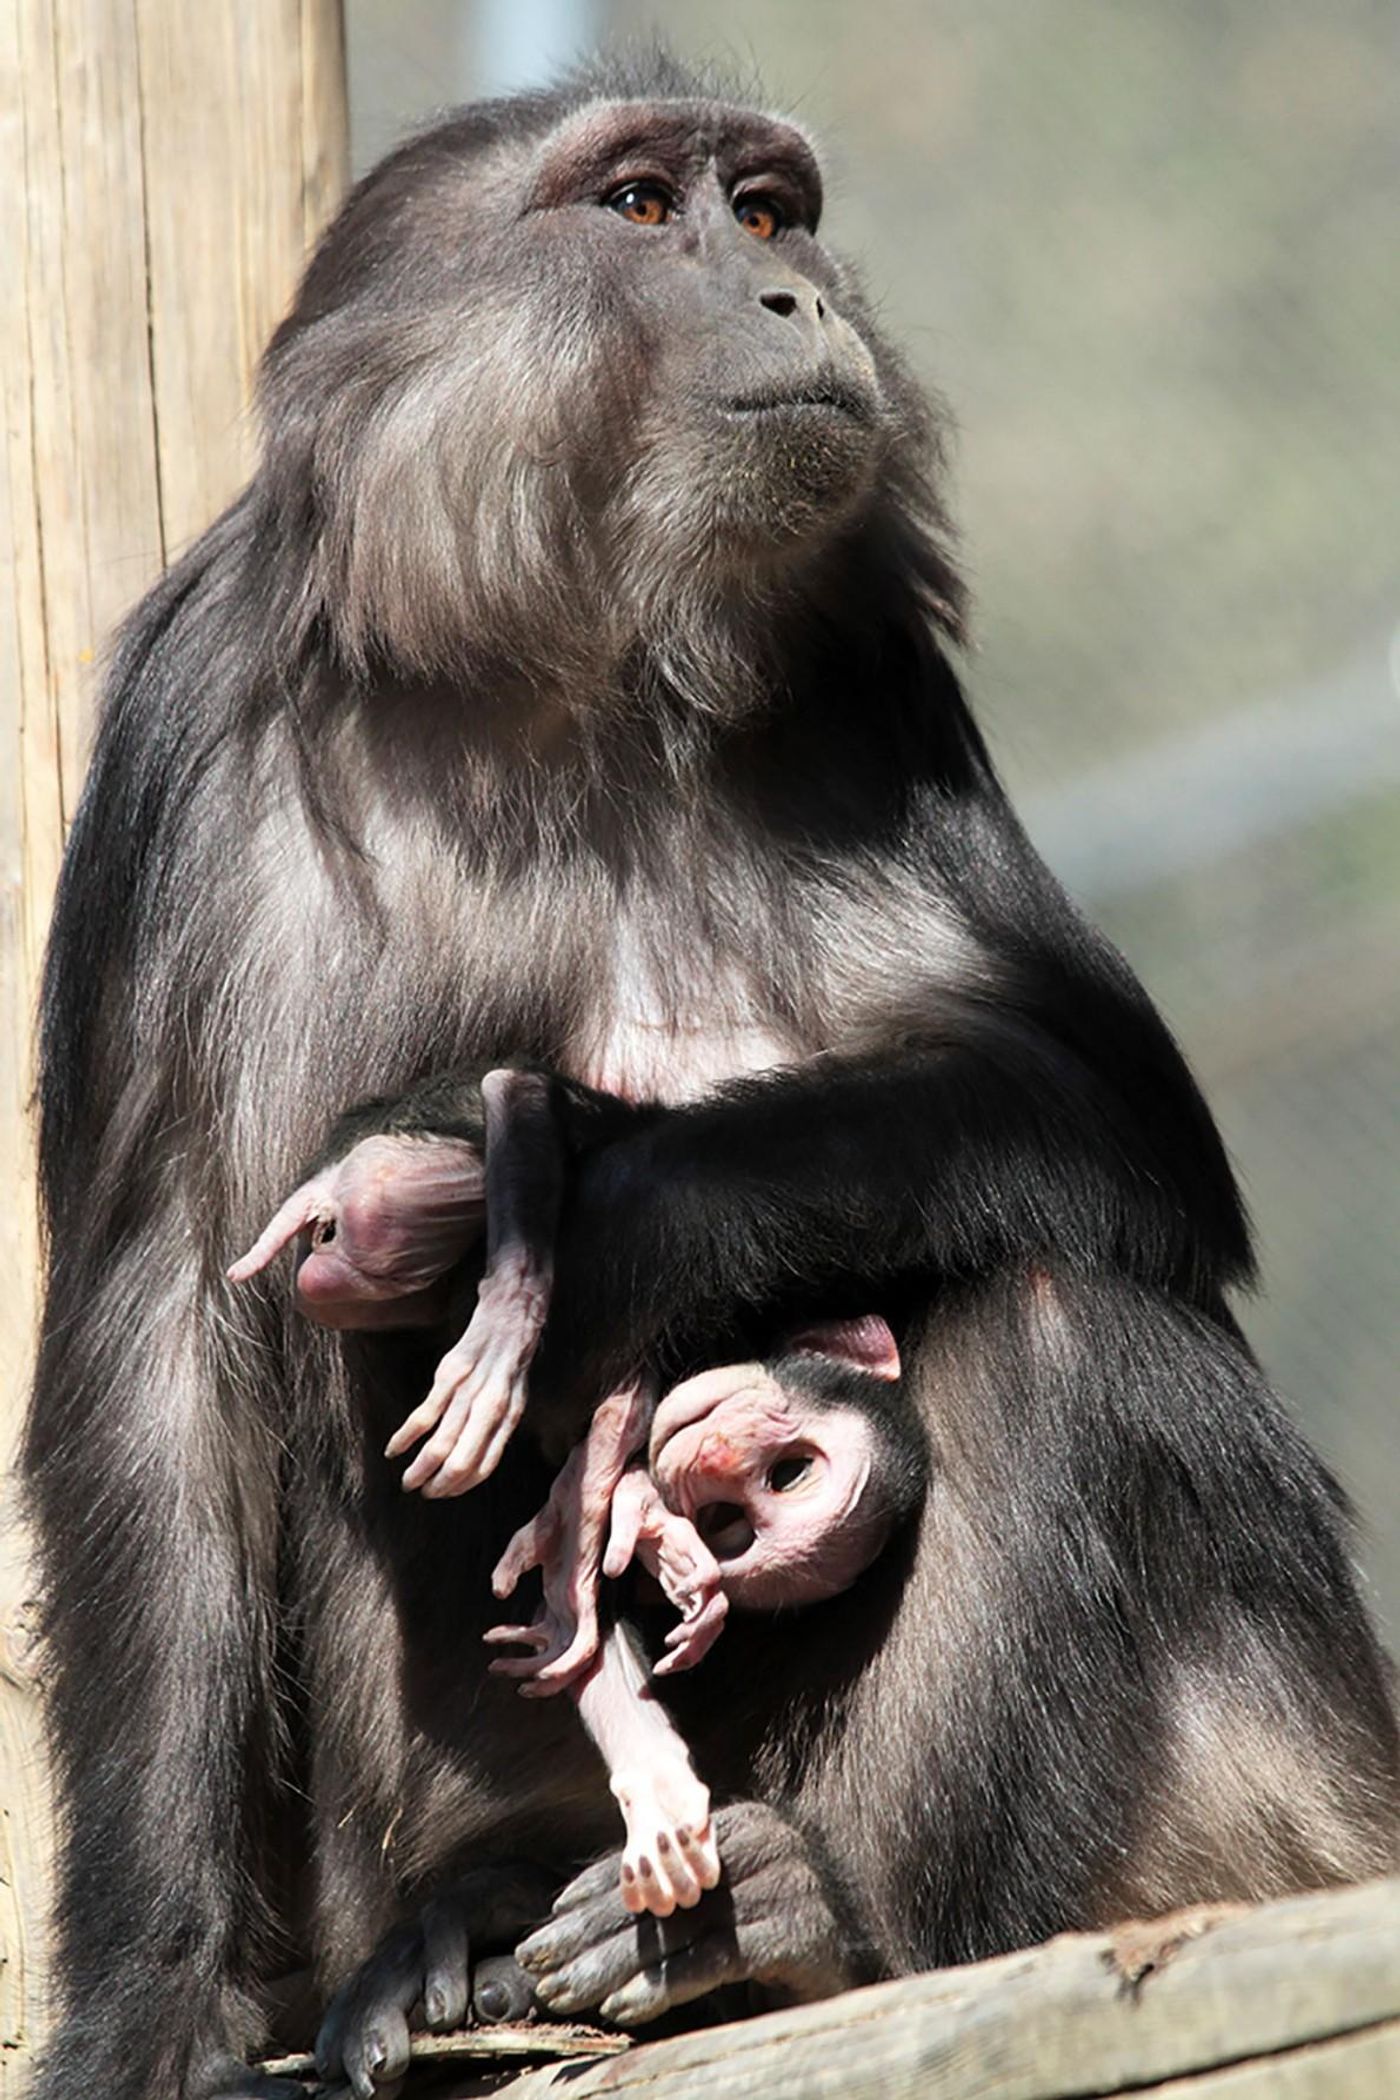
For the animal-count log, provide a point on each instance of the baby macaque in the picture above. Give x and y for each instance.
(768, 1485)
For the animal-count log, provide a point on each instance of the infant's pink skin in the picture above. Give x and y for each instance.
(566, 1542)
(672, 1551)
(386, 1222)
(478, 1391)
(774, 1483)
(671, 1856)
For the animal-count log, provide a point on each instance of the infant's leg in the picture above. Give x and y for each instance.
(478, 1392)
(671, 1856)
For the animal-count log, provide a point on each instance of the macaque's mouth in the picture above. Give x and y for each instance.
(725, 1528)
(834, 395)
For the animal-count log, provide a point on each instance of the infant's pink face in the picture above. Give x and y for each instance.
(773, 1482)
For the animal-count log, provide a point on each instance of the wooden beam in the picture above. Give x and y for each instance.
(165, 167)
(1298, 2000)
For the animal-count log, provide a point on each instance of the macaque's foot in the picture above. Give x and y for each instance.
(478, 1393)
(565, 1542)
(671, 1856)
(431, 1961)
(773, 1923)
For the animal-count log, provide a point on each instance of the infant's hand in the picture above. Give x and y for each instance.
(478, 1392)
(565, 1542)
(671, 1549)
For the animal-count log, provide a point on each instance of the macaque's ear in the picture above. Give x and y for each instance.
(866, 1344)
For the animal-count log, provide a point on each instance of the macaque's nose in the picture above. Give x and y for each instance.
(720, 1460)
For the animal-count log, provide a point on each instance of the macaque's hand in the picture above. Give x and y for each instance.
(478, 1392)
(672, 1550)
(565, 1541)
(386, 1224)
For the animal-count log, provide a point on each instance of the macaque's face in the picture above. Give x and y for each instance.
(784, 1489)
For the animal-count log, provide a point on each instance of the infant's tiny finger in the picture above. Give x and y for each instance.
(526, 1667)
(625, 1524)
(413, 1426)
(536, 1637)
(523, 1553)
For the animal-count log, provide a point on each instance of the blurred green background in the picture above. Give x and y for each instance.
(1149, 250)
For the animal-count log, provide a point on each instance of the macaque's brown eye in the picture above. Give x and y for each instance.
(643, 204)
(788, 1471)
(759, 216)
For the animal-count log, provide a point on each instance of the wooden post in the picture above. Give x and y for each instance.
(165, 168)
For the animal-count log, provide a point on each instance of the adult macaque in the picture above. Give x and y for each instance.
(572, 681)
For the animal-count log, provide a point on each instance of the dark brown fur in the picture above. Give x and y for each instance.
(513, 692)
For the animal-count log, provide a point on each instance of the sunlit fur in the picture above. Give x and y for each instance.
(442, 748)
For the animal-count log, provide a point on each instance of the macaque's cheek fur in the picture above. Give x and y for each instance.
(467, 484)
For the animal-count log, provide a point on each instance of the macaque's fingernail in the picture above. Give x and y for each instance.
(627, 1873)
(663, 1843)
(434, 2007)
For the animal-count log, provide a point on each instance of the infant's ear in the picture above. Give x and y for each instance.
(867, 1344)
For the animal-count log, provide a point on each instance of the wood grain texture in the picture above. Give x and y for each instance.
(1298, 2000)
(165, 168)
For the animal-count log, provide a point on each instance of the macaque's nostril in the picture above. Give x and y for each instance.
(784, 303)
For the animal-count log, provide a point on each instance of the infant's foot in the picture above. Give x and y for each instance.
(478, 1392)
(671, 1856)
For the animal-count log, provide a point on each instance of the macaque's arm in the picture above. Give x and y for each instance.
(670, 1857)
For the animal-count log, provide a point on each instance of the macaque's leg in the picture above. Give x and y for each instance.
(478, 1393)
(671, 1856)
(565, 1541)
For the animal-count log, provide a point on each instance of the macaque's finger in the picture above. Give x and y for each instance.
(550, 1674)
(691, 1641)
(678, 1978)
(505, 1429)
(441, 1447)
(536, 1636)
(624, 1528)
(526, 1550)
(424, 1417)
(304, 1208)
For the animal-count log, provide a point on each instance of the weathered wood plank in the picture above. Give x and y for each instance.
(165, 167)
(1259, 1997)
(1363, 2066)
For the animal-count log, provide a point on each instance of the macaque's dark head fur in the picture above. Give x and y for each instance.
(507, 427)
